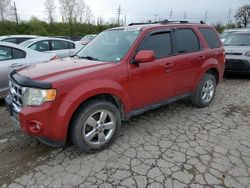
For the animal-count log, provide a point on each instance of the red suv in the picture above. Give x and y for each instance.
(123, 72)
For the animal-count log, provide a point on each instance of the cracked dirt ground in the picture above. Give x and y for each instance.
(175, 146)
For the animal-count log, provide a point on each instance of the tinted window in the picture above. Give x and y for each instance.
(12, 40)
(18, 54)
(211, 37)
(20, 40)
(186, 41)
(5, 53)
(160, 43)
(40, 46)
(59, 45)
(71, 45)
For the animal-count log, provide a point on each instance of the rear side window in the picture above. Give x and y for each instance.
(5, 53)
(160, 43)
(186, 41)
(211, 37)
(18, 54)
(59, 45)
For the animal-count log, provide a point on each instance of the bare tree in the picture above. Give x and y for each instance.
(243, 15)
(88, 15)
(6, 10)
(50, 9)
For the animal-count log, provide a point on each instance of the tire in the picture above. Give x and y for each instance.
(95, 126)
(205, 91)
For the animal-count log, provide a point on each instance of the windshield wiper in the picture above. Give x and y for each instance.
(88, 57)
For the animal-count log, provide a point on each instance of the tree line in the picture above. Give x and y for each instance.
(77, 20)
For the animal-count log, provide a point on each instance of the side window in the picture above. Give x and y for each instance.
(160, 43)
(5, 53)
(211, 38)
(186, 41)
(18, 54)
(11, 40)
(40, 46)
(71, 45)
(59, 45)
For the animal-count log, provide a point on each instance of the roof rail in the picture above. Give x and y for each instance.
(142, 23)
(166, 21)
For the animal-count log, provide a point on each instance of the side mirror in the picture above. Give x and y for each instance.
(145, 56)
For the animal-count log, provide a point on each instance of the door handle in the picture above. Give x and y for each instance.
(14, 65)
(201, 58)
(168, 67)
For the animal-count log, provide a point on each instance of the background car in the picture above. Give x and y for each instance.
(87, 38)
(237, 47)
(227, 32)
(13, 56)
(61, 47)
(17, 39)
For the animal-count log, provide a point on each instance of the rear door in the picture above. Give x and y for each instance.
(189, 58)
(153, 82)
(10, 59)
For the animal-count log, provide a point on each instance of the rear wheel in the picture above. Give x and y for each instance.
(95, 126)
(205, 91)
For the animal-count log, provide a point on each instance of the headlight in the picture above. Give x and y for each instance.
(247, 54)
(36, 97)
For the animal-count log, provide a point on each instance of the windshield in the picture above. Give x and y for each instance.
(238, 40)
(111, 45)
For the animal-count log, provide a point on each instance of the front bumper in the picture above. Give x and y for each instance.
(237, 63)
(29, 118)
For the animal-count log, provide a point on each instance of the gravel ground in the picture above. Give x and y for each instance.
(175, 146)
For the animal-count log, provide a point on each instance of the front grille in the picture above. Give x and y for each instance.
(16, 93)
(233, 53)
(236, 64)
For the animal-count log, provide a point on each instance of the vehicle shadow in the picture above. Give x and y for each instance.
(237, 76)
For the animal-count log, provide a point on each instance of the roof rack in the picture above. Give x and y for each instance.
(166, 21)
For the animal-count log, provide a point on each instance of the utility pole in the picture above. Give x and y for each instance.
(229, 16)
(156, 15)
(15, 12)
(125, 19)
(185, 15)
(119, 11)
(205, 16)
(171, 13)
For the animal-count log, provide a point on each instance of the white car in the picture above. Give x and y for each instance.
(61, 47)
(17, 39)
(13, 57)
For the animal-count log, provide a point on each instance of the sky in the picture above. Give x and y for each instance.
(140, 11)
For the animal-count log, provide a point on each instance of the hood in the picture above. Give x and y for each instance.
(236, 49)
(63, 68)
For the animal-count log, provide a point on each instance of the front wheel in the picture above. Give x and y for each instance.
(205, 91)
(95, 126)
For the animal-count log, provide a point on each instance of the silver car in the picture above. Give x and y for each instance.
(237, 47)
(61, 47)
(12, 57)
(17, 39)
